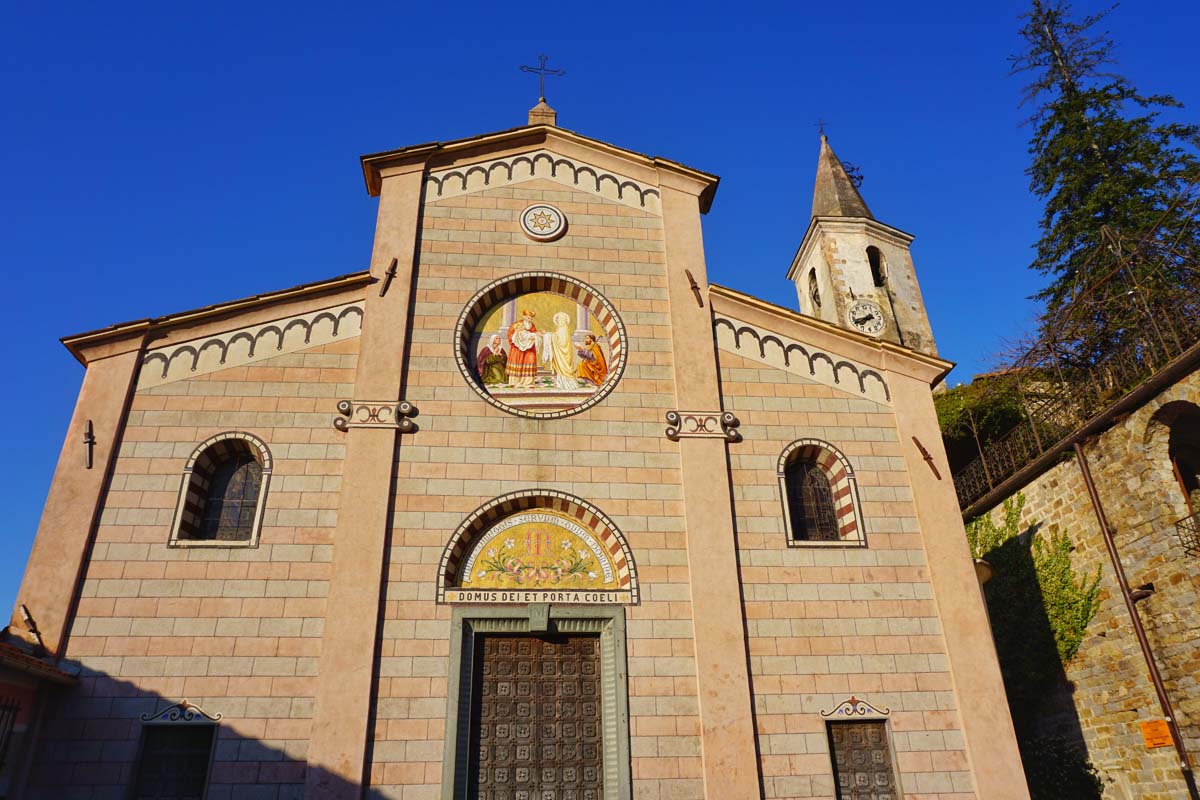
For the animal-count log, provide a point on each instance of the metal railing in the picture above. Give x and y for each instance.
(1188, 530)
(1110, 338)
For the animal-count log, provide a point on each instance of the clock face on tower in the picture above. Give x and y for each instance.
(866, 317)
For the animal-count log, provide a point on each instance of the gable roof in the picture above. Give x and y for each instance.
(373, 163)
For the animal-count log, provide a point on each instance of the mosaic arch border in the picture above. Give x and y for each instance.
(482, 518)
(842, 484)
(510, 286)
(259, 448)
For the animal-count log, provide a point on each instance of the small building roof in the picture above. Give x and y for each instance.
(16, 659)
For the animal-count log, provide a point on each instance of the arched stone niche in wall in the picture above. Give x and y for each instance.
(540, 344)
(537, 547)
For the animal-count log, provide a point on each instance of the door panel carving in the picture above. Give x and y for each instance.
(863, 761)
(535, 722)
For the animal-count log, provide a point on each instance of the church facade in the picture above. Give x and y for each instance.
(529, 510)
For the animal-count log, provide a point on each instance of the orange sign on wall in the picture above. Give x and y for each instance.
(1156, 733)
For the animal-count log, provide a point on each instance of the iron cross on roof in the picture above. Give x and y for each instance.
(541, 71)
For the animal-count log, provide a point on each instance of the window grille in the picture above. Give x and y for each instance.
(810, 502)
(174, 762)
(9, 708)
(232, 500)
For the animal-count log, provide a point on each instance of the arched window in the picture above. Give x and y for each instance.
(878, 266)
(223, 492)
(820, 496)
(228, 513)
(810, 502)
(813, 291)
(1184, 449)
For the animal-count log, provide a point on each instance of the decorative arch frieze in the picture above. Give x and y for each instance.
(843, 487)
(765, 347)
(244, 346)
(541, 164)
(522, 578)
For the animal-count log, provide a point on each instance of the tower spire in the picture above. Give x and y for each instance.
(834, 194)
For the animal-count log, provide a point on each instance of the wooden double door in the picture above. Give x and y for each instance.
(536, 729)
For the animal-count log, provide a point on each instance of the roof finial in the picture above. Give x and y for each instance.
(542, 113)
(541, 71)
(820, 126)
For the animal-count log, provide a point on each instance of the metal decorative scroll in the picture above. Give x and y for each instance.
(853, 707)
(182, 712)
(702, 425)
(376, 414)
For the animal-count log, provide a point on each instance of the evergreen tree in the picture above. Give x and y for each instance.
(1101, 155)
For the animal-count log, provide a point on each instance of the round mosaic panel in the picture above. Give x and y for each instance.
(538, 344)
(543, 222)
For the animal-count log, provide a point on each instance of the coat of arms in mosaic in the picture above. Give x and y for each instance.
(540, 352)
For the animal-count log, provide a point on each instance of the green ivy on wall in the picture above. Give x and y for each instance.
(1039, 607)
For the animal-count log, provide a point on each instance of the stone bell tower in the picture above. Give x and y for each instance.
(856, 272)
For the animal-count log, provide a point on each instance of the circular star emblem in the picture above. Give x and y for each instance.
(543, 222)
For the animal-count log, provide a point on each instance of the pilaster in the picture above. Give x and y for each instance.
(991, 743)
(726, 715)
(51, 583)
(337, 753)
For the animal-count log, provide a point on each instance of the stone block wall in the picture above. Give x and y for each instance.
(827, 623)
(233, 630)
(1108, 689)
(614, 455)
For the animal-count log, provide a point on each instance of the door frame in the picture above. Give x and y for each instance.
(468, 622)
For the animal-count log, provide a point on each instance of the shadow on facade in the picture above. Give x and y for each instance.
(90, 743)
(1040, 696)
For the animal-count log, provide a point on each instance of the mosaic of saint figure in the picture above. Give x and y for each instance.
(522, 352)
(540, 351)
(493, 362)
(560, 354)
(592, 368)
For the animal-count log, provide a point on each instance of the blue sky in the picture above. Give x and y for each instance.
(164, 156)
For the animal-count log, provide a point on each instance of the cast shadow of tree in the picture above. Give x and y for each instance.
(1038, 609)
(90, 738)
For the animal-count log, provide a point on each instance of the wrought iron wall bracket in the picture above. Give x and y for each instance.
(702, 425)
(388, 276)
(89, 444)
(376, 414)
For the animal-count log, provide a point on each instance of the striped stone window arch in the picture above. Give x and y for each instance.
(223, 492)
(819, 495)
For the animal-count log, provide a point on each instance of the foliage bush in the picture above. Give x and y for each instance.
(975, 414)
(1039, 607)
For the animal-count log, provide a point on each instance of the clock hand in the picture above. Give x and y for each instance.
(863, 320)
